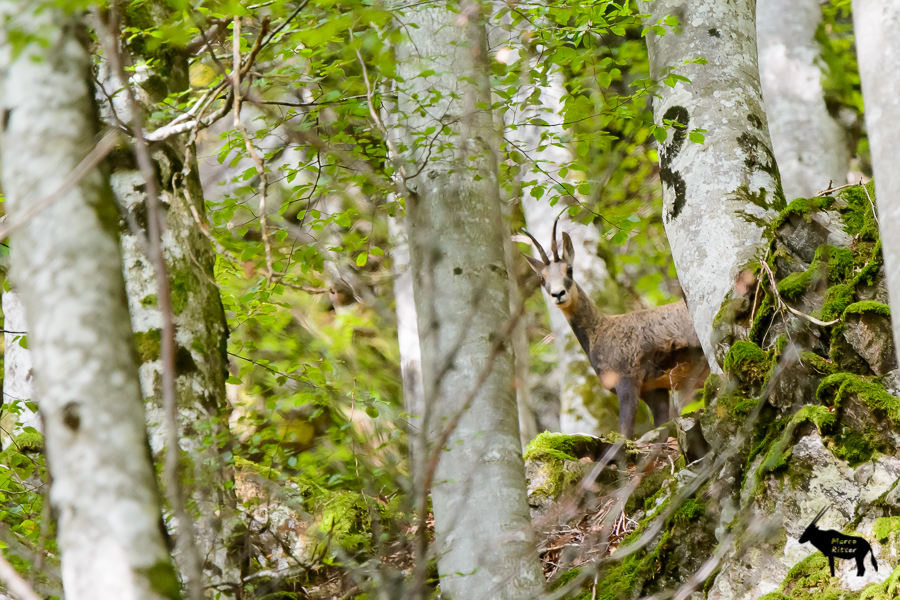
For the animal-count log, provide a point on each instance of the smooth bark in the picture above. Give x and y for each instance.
(457, 236)
(809, 144)
(408, 338)
(878, 52)
(67, 266)
(718, 196)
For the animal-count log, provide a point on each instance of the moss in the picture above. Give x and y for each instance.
(836, 262)
(651, 489)
(150, 300)
(242, 465)
(859, 220)
(868, 272)
(837, 299)
(558, 446)
(148, 344)
(774, 596)
(763, 313)
(888, 590)
(710, 389)
(164, 580)
(343, 519)
(857, 447)
(556, 478)
(689, 511)
(810, 579)
(869, 306)
(818, 363)
(884, 527)
(780, 451)
(802, 207)
(747, 361)
(839, 385)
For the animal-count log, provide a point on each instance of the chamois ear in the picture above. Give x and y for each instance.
(536, 264)
(568, 253)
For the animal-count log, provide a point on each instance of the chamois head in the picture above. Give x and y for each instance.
(812, 530)
(556, 275)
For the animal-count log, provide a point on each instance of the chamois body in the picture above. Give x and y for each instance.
(641, 354)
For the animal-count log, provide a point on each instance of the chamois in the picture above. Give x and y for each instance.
(833, 544)
(641, 354)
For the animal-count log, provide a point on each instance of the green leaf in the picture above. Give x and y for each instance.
(233, 380)
(362, 259)
(372, 412)
(696, 136)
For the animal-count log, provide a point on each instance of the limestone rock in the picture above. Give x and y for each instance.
(871, 336)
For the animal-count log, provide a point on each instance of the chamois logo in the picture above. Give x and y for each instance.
(833, 544)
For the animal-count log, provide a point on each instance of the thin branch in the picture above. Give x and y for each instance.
(14, 582)
(872, 204)
(257, 159)
(90, 162)
(172, 468)
(782, 304)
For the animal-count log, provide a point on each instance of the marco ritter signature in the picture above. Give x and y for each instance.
(837, 545)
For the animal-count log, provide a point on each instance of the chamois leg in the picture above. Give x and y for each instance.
(831, 564)
(627, 393)
(658, 401)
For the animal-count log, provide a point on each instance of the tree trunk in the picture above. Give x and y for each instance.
(202, 337)
(809, 144)
(457, 237)
(878, 52)
(718, 196)
(67, 266)
(408, 338)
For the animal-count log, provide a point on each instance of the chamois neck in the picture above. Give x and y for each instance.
(583, 316)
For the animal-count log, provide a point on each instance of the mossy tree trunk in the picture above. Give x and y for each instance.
(67, 266)
(718, 196)
(809, 144)
(457, 237)
(878, 52)
(201, 342)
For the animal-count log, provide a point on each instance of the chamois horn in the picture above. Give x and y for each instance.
(538, 246)
(553, 241)
(820, 515)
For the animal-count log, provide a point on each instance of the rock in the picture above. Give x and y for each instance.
(870, 335)
(877, 291)
(891, 382)
(814, 478)
(548, 478)
(690, 438)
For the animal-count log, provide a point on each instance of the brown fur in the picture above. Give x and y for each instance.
(642, 354)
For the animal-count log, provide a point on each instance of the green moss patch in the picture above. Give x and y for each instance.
(839, 385)
(884, 527)
(835, 263)
(148, 344)
(868, 307)
(558, 446)
(747, 361)
(780, 451)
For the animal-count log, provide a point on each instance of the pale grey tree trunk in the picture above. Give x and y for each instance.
(457, 236)
(878, 52)
(201, 340)
(718, 196)
(408, 338)
(809, 144)
(18, 375)
(66, 264)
